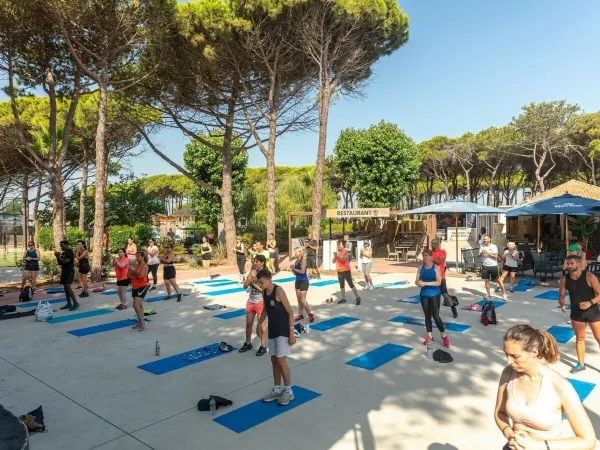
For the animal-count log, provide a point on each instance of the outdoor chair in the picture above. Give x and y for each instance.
(393, 254)
(525, 263)
(471, 260)
(541, 264)
(594, 267)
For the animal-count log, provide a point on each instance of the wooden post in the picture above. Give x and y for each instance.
(289, 236)
(538, 239)
(456, 223)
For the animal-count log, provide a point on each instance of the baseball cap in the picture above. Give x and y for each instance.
(435, 241)
(366, 241)
(573, 248)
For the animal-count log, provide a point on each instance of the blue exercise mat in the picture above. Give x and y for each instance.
(55, 290)
(417, 297)
(113, 292)
(561, 334)
(103, 328)
(182, 360)
(497, 304)
(568, 306)
(450, 326)
(255, 413)
(333, 323)
(214, 280)
(549, 295)
(284, 280)
(522, 288)
(231, 314)
(385, 285)
(379, 356)
(225, 291)
(324, 283)
(161, 298)
(583, 388)
(215, 283)
(34, 303)
(81, 315)
(110, 282)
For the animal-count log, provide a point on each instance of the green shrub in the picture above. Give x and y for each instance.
(117, 237)
(200, 229)
(74, 235)
(142, 233)
(20, 264)
(50, 268)
(46, 238)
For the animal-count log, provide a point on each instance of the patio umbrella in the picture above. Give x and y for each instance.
(567, 204)
(456, 207)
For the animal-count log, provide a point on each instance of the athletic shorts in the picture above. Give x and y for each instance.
(125, 282)
(84, 270)
(35, 268)
(273, 254)
(67, 277)
(169, 272)
(366, 268)
(206, 257)
(140, 292)
(255, 308)
(280, 346)
(302, 285)
(489, 273)
(510, 269)
(345, 276)
(587, 316)
(311, 262)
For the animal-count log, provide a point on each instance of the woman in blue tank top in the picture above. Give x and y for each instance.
(298, 266)
(429, 279)
(32, 265)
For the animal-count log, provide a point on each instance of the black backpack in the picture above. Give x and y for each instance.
(451, 298)
(26, 294)
(488, 314)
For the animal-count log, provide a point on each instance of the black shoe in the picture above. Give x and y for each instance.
(358, 300)
(261, 351)
(179, 297)
(169, 297)
(75, 307)
(153, 288)
(67, 306)
(342, 301)
(121, 306)
(245, 347)
(454, 312)
(84, 294)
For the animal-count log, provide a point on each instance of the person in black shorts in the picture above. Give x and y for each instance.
(240, 254)
(298, 268)
(66, 259)
(169, 273)
(584, 295)
(341, 259)
(311, 246)
(489, 258)
(83, 267)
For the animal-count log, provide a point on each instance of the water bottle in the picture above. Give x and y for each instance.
(213, 406)
(429, 350)
(307, 327)
(157, 349)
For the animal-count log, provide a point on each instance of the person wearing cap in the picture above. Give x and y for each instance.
(439, 259)
(575, 250)
(366, 257)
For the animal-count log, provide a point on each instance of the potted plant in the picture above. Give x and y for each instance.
(587, 228)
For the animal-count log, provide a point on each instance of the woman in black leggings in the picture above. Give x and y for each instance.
(429, 279)
(240, 253)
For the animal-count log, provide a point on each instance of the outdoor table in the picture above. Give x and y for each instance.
(404, 250)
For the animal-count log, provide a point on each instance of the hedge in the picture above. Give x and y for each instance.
(46, 237)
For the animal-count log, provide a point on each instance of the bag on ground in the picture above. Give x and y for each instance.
(43, 312)
(488, 314)
(452, 300)
(26, 294)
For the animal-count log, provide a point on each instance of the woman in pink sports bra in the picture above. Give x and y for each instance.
(532, 397)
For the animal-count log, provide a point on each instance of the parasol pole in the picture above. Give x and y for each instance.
(456, 223)
(567, 231)
(538, 240)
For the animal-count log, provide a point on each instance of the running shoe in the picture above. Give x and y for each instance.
(505, 298)
(272, 396)
(568, 321)
(446, 341)
(366, 288)
(299, 318)
(371, 287)
(84, 294)
(286, 397)
(247, 346)
(179, 297)
(358, 300)
(67, 306)
(488, 297)
(261, 350)
(75, 307)
(77, 288)
(153, 288)
(512, 289)
(121, 306)
(497, 289)
(578, 368)
(427, 340)
(311, 318)
(342, 301)
(168, 297)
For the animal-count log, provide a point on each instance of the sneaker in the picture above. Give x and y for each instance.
(358, 300)
(371, 287)
(455, 312)
(168, 297)
(261, 350)
(568, 321)
(67, 306)
(142, 327)
(427, 340)
(298, 318)
(179, 297)
(512, 289)
(578, 368)
(83, 295)
(247, 346)
(286, 397)
(272, 396)
(75, 307)
(497, 289)
(342, 301)
(311, 318)
(366, 288)
(153, 288)
(77, 288)
(488, 297)
(121, 306)
(137, 325)
(505, 298)
(446, 341)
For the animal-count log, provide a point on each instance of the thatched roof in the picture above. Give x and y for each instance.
(572, 187)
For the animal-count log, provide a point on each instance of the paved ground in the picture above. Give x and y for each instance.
(95, 396)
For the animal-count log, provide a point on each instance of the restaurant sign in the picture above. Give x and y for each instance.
(351, 213)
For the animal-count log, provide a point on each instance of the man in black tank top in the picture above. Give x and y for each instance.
(584, 294)
(281, 336)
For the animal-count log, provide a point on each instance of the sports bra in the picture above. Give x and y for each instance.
(543, 417)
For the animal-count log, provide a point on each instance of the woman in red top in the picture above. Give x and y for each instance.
(140, 287)
(121, 265)
(341, 258)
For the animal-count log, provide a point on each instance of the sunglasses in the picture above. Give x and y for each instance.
(31, 245)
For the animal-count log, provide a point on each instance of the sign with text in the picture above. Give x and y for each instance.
(351, 213)
(464, 234)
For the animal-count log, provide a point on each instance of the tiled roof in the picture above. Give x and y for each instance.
(572, 187)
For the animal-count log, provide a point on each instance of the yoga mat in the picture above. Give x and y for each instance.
(333, 323)
(161, 298)
(324, 283)
(522, 288)
(81, 315)
(110, 282)
(583, 388)
(549, 295)
(255, 413)
(214, 280)
(113, 292)
(215, 283)
(175, 362)
(450, 326)
(380, 356)
(103, 328)
(385, 285)
(16, 315)
(34, 303)
(231, 314)
(561, 334)
(284, 280)
(418, 302)
(497, 304)
(568, 307)
(55, 290)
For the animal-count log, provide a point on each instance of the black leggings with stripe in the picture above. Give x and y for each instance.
(431, 308)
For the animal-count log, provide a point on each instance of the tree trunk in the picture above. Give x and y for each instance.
(227, 187)
(83, 194)
(101, 179)
(36, 208)
(25, 209)
(317, 201)
(593, 172)
(270, 156)
(468, 185)
(58, 206)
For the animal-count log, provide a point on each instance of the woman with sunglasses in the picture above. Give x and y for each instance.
(32, 265)
(366, 257)
(153, 262)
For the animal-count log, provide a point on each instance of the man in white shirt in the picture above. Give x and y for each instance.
(489, 256)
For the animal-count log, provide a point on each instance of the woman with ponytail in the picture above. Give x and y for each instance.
(532, 397)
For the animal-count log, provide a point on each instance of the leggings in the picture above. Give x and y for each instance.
(431, 308)
(241, 263)
(154, 270)
(345, 276)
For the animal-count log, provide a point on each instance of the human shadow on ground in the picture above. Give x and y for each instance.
(437, 446)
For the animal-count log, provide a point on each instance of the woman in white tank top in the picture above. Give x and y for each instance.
(532, 397)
